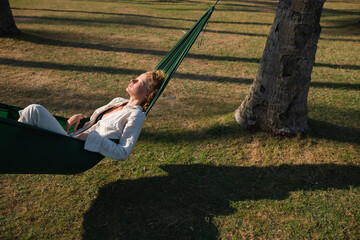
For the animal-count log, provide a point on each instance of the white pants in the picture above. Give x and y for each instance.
(38, 116)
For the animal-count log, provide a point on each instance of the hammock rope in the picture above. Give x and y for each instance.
(175, 56)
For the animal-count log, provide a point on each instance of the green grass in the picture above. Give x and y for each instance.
(194, 174)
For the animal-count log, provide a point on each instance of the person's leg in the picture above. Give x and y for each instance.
(38, 116)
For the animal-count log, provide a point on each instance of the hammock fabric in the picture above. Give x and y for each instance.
(29, 149)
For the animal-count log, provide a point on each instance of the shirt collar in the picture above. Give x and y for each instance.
(120, 101)
(134, 107)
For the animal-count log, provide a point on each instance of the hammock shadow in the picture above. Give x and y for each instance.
(182, 204)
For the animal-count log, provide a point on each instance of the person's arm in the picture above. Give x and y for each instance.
(74, 120)
(119, 151)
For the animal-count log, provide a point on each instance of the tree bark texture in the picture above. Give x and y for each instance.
(277, 100)
(7, 23)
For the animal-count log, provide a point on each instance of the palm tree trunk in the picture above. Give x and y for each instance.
(7, 23)
(277, 100)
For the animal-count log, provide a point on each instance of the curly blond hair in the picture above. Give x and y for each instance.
(155, 80)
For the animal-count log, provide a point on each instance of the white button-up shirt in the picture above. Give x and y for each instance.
(124, 125)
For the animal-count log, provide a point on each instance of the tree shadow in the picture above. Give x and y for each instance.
(80, 21)
(336, 12)
(216, 131)
(339, 39)
(126, 71)
(29, 37)
(139, 16)
(335, 85)
(319, 130)
(113, 70)
(223, 9)
(136, 22)
(337, 66)
(255, 4)
(54, 99)
(178, 1)
(183, 204)
(251, 6)
(330, 131)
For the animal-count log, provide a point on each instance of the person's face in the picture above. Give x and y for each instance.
(138, 87)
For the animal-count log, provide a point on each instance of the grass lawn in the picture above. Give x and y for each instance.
(194, 173)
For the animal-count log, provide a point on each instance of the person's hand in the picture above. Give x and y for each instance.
(82, 136)
(74, 120)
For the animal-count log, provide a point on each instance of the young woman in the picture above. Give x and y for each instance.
(120, 119)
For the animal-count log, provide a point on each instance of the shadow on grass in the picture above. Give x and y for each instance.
(326, 130)
(319, 130)
(54, 42)
(53, 99)
(229, 9)
(183, 204)
(337, 66)
(334, 85)
(138, 16)
(79, 21)
(339, 39)
(215, 131)
(32, 19)
(337, 12)
(267, 9)
(113, 70)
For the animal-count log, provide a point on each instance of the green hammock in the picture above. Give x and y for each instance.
(29, 149)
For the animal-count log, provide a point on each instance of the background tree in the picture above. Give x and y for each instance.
(7, 23)
(277, 100)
